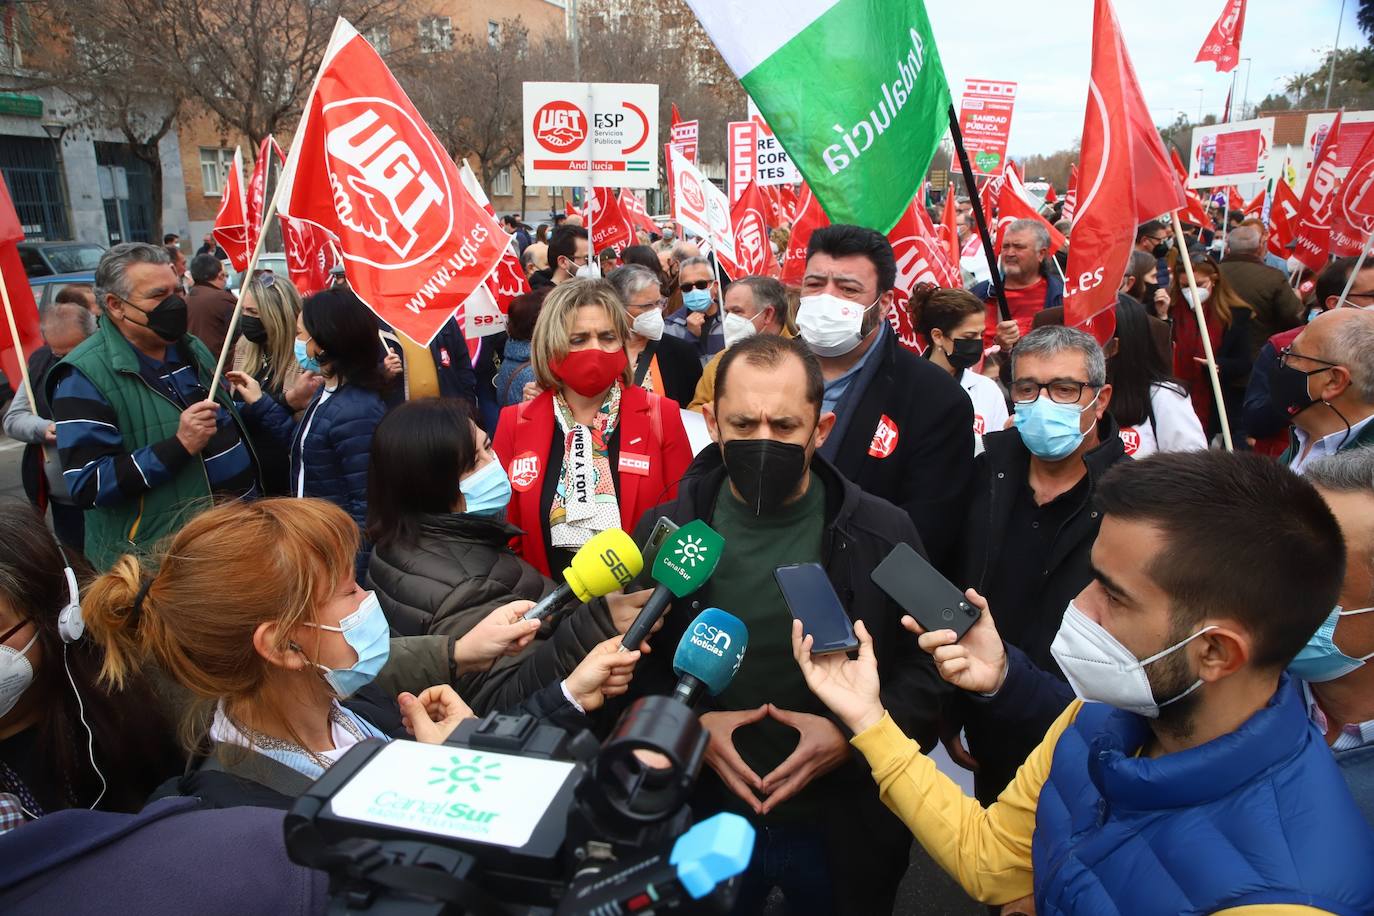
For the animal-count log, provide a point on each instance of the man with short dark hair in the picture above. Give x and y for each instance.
(774, 756)
(1031, 521)
(902, 424)
(209, 306)
(142, 443)
(78, 294)
(518, 229)
(567, 256)
(1276, 307)
(759, 305)
(210, 246)
(1187, 777)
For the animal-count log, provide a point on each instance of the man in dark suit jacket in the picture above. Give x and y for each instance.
(903, 426)
(209, 305)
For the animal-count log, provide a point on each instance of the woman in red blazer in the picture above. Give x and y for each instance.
(592, 451)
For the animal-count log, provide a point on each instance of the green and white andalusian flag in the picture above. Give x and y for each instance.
(854, 90)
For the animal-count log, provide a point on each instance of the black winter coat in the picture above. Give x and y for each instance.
(1028, 614)
(865, 842)
(460, 570)
(907, 441)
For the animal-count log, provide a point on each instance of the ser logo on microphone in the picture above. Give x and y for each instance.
(712, 639)
(616, 567)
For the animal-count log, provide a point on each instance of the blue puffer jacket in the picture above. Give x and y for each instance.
(1259, 816)
(334, 452)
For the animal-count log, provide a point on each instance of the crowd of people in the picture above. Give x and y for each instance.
(1165, 700)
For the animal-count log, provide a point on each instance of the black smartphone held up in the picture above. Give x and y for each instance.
(930, 598)
(812, 600)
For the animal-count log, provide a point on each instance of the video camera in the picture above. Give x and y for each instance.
(512, 815)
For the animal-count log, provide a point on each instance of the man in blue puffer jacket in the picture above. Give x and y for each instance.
(1186, 778)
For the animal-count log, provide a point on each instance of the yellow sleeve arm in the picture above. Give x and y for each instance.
(988, 851)
(706, 385)
(1272, 909)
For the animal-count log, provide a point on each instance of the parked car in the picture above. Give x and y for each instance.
(274, 261)
(45, 288)
(41, 259)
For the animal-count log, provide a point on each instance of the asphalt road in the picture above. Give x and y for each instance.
(10, 485)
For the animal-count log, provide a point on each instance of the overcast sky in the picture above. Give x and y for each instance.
(1047, 48)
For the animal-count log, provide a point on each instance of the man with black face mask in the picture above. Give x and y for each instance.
(775, 755)
(142, 445)
(1324, 381)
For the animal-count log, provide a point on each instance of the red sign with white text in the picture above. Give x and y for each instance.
(985, 122)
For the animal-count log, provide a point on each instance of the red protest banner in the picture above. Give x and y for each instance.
(810, 217)
(985, 120)
(1222, 45)
(753, 255)
(922, 257)
(1283, 218)
(684, 138)
(366, 167)
(1312, 235)
(21, 335)
(1353, 219)
(743, 147)
(231, 222)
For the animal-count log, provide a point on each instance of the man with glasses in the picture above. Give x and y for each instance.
(142, 445)
(698, 321)
(567, 255)
(209, 306)
(1030, 521)
(1324, 383)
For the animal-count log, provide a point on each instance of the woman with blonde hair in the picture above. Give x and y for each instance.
(266, 350)
(293, 664)
(1228, 326)
(593, 451)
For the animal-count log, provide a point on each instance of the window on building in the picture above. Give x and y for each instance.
(493, 33)
(379, 36)
(214, 165)
(500, 185)
(436, 34)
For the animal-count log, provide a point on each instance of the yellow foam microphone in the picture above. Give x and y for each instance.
(609, 561)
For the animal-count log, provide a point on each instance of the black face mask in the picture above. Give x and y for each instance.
(1160, 250)
(967, 352)
(1288, 389)
(253, 330)
(167, 319)
(764, 471)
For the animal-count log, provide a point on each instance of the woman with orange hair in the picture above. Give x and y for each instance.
(294, 664)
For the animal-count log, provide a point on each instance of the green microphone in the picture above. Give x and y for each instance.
(685, 561)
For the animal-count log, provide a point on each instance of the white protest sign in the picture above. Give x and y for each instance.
(618, 120)
(772, 165)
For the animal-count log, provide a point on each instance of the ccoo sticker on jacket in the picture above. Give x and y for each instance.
(884, 438)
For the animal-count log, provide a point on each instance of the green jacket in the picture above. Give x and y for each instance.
(1366, 437)
(146, 416)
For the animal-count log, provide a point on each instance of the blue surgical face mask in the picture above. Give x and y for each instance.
(1048, 429)
(306, 361)
(367, 633)
(697, 300)
(1320, 660)
(486, 491)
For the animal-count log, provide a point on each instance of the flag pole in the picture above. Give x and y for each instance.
(995, 275)
(1349, 281)
(19, 356)
(1202, 332)
(268, 215)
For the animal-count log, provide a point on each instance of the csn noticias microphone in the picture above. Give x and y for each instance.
(608, 561)
(709, 654)
(685, 561)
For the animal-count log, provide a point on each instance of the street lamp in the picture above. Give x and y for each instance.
(55, 131)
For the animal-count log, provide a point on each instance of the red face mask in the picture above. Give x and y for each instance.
(590, 372)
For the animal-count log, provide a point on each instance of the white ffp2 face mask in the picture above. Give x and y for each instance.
(16, 675)
(1101, 670)
(649, 324)
(831, 326)
(737, 328)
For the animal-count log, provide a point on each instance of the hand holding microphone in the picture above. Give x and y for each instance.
(685, 561)
(502, 632)
(607, 562)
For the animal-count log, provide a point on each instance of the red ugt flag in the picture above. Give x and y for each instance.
(1071, 195)
(365, 167)
(231, 222)
(1354, 211)
(810, 217)
(14, 352)
(1127, 179)
(1013, 205)
(1223, 42)
(609, 227)
(753, 254)
(1283, 218)
(1312, 236)
(634, 211)
(268, 155)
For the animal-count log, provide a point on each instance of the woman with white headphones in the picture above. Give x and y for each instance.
(65, 740)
